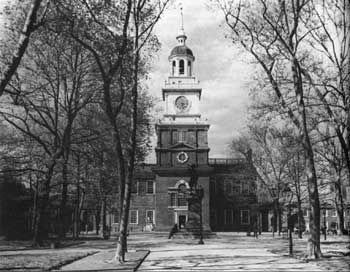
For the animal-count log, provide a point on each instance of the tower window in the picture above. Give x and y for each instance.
(189, 68)
(173, 67)
(181, 67)
(182, 136)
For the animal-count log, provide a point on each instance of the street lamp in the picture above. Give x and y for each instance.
(288, 193)
(200, 193)
(275, 200)
(324, 210)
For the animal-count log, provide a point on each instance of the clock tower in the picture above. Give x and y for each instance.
(182, 133)
(182, 141)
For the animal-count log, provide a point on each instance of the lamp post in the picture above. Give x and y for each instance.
(324, 222)
(289, 195)
(275, 199)
(200, 193)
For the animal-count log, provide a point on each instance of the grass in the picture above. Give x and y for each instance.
(40, 261)
(335, 253)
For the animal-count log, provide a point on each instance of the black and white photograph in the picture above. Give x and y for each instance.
(174, 135)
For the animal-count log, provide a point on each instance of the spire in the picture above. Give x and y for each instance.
(182, 20)
(181, 37)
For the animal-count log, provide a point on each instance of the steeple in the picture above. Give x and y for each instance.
(181, 36)
(181, 57)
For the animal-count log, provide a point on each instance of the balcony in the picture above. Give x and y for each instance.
(225, 161)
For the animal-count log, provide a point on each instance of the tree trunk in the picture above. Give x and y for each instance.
(347, 80)
(314, 242)
(97, 216)
(300, 217)
(76, 224)
(35, 206)
(63, 206)
(340, 205)
(41, 222)
(28, 28)
(123, 227)
(102, 219)
(279, 210)
(274, 221)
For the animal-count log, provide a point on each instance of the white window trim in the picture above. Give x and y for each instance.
(154, 216)
(245, 223)
(137, 217)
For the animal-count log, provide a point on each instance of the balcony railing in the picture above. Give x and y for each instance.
(225, 161)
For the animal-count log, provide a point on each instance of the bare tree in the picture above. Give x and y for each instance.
(329, 35)
(46, 98)
(273, 34)
(30, 25)
(125, 29)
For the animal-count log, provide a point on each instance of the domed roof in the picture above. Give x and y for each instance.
(181, 50)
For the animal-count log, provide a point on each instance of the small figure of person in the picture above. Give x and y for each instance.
(255, 229)
(173, 231)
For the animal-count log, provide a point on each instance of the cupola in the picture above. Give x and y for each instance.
(181, 57)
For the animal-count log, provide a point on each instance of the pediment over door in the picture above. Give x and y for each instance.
(182, 146)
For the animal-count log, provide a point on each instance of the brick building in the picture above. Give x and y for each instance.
(230, 201)
(159, 196)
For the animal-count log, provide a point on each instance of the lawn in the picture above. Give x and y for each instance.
(31, 260)
(335, 252)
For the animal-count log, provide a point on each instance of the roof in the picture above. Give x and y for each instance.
(181, 50)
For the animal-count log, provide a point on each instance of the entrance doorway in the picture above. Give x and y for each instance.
(264, 221)
(182, 221)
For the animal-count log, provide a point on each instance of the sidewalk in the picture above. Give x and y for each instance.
(98, 262)
(217, 256)
(155, 252)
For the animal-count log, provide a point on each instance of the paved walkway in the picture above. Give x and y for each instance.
(223, 254)
(98, 262)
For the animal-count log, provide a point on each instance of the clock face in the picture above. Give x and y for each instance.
(182, 157)
(182, 103)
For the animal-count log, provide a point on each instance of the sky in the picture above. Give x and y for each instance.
(223, 72)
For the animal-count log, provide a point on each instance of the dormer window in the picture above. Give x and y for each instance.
(181, 67)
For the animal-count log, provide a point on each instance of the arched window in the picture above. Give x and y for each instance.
(189, 68)
(181, 67)
(181, 196)
(173, 67)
